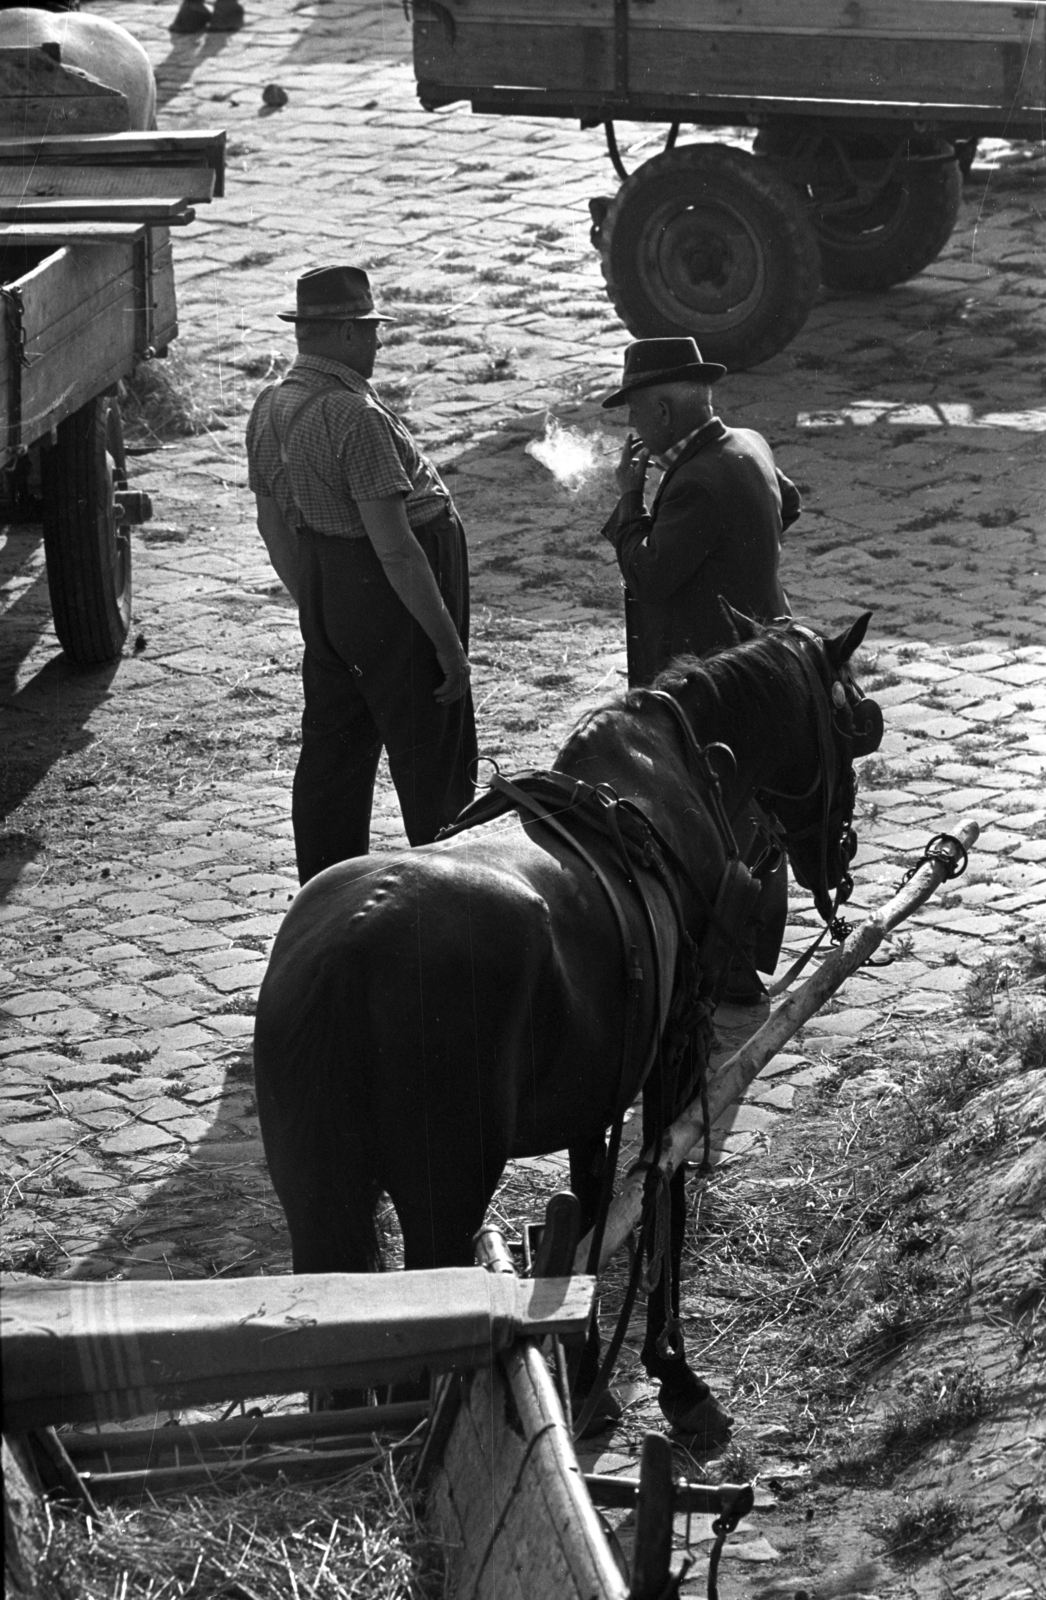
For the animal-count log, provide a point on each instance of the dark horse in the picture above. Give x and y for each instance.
(430, 1014)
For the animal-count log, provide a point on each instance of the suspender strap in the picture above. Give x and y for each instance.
(283, 441)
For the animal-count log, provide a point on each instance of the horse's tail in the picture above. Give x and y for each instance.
(313, 1105)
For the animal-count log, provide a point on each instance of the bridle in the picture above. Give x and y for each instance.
(848, 725)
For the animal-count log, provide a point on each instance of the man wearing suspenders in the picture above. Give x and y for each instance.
(361, 529)
(713, 529)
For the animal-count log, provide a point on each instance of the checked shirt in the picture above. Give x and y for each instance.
(321, 440)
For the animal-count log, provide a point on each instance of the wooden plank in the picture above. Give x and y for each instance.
(10, 388)
(170, 212)
(297, 1465)
(35, 234)
(163, 320)
(35, 181)
(79, 320)
(243, 1432)
(510, 1500)
(919, 73)
(203, 147)
(948, 54)
(77, 1351)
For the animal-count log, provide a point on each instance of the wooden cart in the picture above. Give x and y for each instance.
(87, 291)
(865, 113)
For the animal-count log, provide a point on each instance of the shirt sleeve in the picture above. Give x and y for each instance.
(371, 465)
(256, 480)
(657, 555)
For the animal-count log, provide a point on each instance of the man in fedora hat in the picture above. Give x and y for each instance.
(364, 534)
(713, 529)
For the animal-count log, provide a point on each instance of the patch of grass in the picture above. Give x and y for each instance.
(938, 1406)
(923, 1528)
(989, 977)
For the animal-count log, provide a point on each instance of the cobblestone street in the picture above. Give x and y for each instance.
(147, 858)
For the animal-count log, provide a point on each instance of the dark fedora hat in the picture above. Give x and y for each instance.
(650, 361)
(331, 294)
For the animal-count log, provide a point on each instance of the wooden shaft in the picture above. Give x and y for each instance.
(746, 1064)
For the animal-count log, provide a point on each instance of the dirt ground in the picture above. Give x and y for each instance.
(866, 1279)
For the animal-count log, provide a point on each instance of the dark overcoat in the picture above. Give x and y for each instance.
(714, 528)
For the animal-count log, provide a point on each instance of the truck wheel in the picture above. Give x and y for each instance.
(86, 542)
(904, 228)
(705, 240)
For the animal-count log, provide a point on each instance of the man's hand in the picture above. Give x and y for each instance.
(631, 469)
(456, 670)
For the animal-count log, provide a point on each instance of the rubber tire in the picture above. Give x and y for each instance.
(88, 548)
(899, 234)
(755, 225)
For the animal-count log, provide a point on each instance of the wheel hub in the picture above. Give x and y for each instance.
(708, 264)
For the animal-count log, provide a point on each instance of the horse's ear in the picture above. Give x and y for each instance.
(841, 649)
(743, 628)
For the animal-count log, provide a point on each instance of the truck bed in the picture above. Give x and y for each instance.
(978, 66)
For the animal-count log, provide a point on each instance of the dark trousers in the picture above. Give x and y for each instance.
(369, 672)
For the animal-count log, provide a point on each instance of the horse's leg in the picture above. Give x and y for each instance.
(684, 1398)
(587, 1165)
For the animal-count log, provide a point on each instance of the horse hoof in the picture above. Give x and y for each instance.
(706, 1421)
(193, 17)
(227, 18)
(609, 1411)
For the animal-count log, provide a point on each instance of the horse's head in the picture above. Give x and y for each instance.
(817, 820)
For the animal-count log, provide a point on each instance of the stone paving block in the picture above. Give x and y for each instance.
(34, 1002)
(136, 1139)
(185, 1036)
(245, 976)
(209, 910)
(73, 1024)
(232, 1026)
(154, 923)
(47, 1134)
(849, 1022)
(191, 939)
(230, 955)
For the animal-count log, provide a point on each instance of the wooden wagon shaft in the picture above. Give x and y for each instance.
(734, 1077)
(77, 1352)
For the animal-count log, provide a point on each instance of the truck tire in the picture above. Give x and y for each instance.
(899, 233)
(86, 543)
(705, 240)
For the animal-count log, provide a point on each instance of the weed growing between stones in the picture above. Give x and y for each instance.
(923, 1529)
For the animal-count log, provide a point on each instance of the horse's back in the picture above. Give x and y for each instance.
(94, 44)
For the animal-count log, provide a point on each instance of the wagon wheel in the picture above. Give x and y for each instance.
(903, 229)
(705, 240)
(86, 541)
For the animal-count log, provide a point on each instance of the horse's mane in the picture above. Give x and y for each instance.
(757, 674)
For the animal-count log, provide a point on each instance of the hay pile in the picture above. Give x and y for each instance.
(359, 1536)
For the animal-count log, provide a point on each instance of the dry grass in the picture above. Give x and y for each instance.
(359, 1536)
(166, 400)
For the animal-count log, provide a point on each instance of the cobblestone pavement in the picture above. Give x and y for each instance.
(147, 859)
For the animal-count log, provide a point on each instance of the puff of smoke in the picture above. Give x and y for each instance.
(574, 459)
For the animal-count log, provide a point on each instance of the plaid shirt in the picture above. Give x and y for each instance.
(674, 451)
(321, 440)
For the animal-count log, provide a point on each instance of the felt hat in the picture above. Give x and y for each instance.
(332, 294)
(650, 361)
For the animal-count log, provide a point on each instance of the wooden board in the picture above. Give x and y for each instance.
(35, 181)
(205, 147)
(79, 1351)
(148, 209)
(35, 234)
(509, 1499)
(40, 95)
(911, 57)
